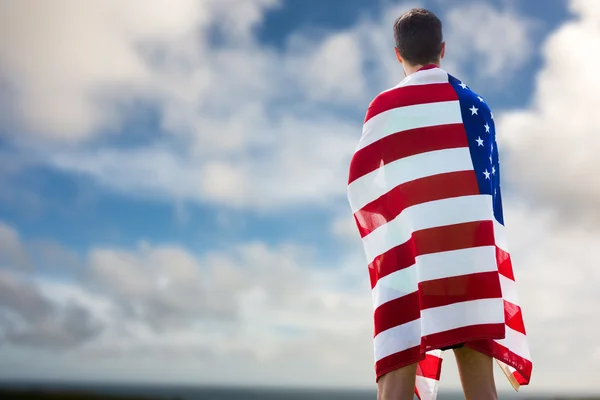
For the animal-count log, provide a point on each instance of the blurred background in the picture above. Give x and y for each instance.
(173, 185)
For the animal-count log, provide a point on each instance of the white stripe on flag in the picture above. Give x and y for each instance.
(447, 264)
(425, 77)
(516, 342)
(395, 285)
(396, 339)
(458, 315)
(377, 183)
(428, 388)
(500, 236)
(409, 117)
(509, 290)
(432, 214)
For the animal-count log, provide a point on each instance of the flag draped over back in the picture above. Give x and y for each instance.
(424, 187)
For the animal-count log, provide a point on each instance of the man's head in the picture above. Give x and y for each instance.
(419, 39)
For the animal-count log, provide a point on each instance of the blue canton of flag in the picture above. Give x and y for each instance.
(478, 121)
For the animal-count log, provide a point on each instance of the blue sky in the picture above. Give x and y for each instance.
(178, 173)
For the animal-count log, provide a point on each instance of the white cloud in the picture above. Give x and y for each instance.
(244, 125)
(551, 148)
(30, 318)
(495, 43)
(255, 305)
(556, 275)
(68, 62)
(344, 227)
(305, 162)
(332, 68)
(12, 252)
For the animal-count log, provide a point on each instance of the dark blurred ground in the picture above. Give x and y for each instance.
(158, 393)
(15, 394)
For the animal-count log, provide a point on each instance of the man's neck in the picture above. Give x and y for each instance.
(411, 69)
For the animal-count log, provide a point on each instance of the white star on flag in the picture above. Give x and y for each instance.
(479, 141)
(480, 99)
(487, 128)
(487, 174)
(493, 170)
(462, 85)
(473, 110)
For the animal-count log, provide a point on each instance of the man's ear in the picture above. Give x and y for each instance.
(443, 50)
(398, 56)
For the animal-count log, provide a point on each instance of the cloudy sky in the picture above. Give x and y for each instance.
(172, 174)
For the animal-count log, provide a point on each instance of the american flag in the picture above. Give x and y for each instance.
(424, 187)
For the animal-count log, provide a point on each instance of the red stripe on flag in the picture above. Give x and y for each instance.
(502, 353)
(514, 317)
(430, 367)
(454, 237)
(456, 289)
(504, 264)
(462, 335)
(435, 187)
(432, 240)
(520, 378)
(405, 144)
(397, 312)
(395, 259)
(398, 360)
(409, 96)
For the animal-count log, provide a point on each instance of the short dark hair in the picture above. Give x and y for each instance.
(418, 35)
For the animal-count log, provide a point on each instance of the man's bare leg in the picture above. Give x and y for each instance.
(476, 374)
(398, 384)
